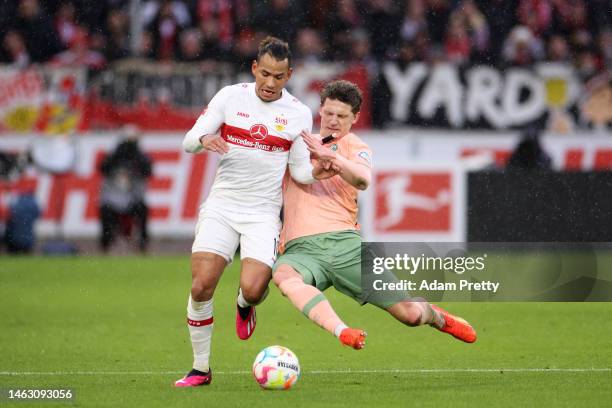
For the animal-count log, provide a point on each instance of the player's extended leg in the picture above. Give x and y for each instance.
(417, 312)
(311, 301)
(206, 269)
(258, 242)
(254, 279)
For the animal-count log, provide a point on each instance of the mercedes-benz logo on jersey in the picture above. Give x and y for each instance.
(258, 131)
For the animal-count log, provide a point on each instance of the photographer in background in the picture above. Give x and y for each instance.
(529, 154)
(18, 230)
(122, 198)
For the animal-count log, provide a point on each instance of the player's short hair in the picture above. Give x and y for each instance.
(343, 91)
(276, 48)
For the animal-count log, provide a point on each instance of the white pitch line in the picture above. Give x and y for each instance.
(388, 371)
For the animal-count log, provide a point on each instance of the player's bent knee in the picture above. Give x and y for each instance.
(201, 290)
(282, 273)
(206, 268)
(253, 293)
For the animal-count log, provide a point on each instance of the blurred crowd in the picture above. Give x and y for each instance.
(497, 32)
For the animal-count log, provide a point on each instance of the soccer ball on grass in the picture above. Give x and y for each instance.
(276, 368)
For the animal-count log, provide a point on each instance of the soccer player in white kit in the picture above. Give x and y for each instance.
(255, 127)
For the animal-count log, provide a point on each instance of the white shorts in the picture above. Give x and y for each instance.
(220, 232)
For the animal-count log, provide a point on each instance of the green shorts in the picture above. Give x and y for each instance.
(331, 259)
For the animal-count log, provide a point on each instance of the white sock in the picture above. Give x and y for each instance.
(200, 321)
(243, 303)
(339, 328)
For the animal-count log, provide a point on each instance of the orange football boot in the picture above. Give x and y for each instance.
(456, 326)
(354, 338)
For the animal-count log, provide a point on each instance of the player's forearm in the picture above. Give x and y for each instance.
(191, 142)
(357, 175)
(302, 173)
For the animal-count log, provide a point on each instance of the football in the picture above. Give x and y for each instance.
(276, 368)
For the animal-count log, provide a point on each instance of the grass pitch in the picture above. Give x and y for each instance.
(113, 329)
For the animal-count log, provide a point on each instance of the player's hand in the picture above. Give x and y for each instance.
(214, 143)
(316, 148)
(324, 169)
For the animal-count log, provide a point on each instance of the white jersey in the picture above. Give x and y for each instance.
(263, 137)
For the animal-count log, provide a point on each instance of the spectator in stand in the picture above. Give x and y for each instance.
(98, 43)
(36, 28)
(145, 48)
(535, 14)
(309, 47)
(477, 28)
(581, 39)
(280, 18)
(381, 98)
(65, 23)
(245, 50)
(407, 55)
(570, 16)
(437, 15)
(501, 18)
(93, 14)
(191, 46)
(242, 15)
(361, 53)
(422, 46)
(166, 28)
(414, 20)
(457, 45)
(343, 20)
(605, 46)
(212, 48)
(462, 31)
(217, 14)
(151, 9)
(383, 24)
(587, 64)
(15, 50)
(117, 31)
(79, 53)
(600, 14)
(558, 49)
(522, 48)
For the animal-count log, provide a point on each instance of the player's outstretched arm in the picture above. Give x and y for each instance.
(300, 167)
(214, 143)
(356, 174)
(203, 135)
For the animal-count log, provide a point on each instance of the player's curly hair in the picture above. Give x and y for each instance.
(343, 91)
(277, 48)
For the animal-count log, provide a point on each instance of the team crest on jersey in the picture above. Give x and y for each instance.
(258, 131)
(281, 123)
(365, 156)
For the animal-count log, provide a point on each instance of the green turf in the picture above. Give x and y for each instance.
(127, 315)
